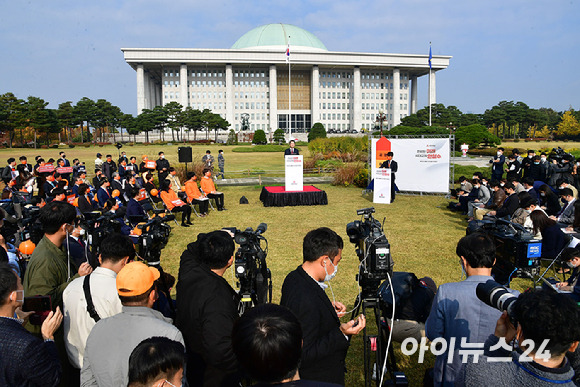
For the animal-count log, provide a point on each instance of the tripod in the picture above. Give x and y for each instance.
(376, 343)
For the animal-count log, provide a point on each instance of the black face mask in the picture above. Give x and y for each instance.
(564, 201)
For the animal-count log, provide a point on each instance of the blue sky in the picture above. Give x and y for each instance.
(502, 50)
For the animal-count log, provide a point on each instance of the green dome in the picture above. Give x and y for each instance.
(276, 35)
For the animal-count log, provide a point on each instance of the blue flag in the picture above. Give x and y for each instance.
(430, 57)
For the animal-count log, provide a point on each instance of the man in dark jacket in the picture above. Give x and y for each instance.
(207, 308)
(325, 337)
(162, 167)
(109, 167)
(510, 204)
(26, 359)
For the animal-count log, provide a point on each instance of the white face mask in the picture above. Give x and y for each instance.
(82, 232)
(543, 159)
(330, 276)
(162, 157)
(499, 153)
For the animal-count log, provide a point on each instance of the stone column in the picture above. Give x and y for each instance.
(183, 86)
(140, 89)
(315, 100)
(356, 101)
(230, 95)
(413, 96)
(396, 97)
(158, 100)
(151, 91)
(147, 91)
(432, 94)
(273, 86)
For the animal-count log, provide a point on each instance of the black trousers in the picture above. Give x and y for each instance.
(186, 212)
(219, 199)
(203, 205)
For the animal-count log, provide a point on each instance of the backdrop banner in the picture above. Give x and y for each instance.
(423, 163)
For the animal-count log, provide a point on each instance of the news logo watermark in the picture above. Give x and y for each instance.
(466, 350)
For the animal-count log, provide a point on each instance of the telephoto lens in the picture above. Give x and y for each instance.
(497, 296)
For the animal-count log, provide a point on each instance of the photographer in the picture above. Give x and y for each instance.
(326, 339)
(543, 317)
(207, 307)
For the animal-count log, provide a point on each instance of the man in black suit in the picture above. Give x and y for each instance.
(291, 151)
(325, 338)
(392, 165)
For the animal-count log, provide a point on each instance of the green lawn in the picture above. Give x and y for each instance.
(422, 232)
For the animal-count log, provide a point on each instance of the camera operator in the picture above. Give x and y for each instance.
(541, 315)
(326, 339)
(207, 308)
(457, 312)
(267, 341)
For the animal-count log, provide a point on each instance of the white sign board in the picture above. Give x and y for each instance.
(382, 190)
(294, 172)
(423, 163)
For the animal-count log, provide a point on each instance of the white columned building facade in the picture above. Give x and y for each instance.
(342, 90)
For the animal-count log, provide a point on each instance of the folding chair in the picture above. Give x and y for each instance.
(210, 199)
(168, 211)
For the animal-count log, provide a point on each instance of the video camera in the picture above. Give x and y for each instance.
(255, 279)
(97, 227)
(559, 155)
(517, 251)
(154, 237)
(373, 250)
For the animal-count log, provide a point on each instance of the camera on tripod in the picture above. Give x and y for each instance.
(254, 277)
(517, 251)
(154, 237)
(373, 250)
(97, 227)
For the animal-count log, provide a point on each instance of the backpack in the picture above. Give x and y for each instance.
(244, 200)
(403, 285)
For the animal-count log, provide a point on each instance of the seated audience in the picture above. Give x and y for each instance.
(544, 317)
(267, 341)
(571, 258)
(510, 204)
(156, 362)
(194, 196)
(498, 198)
(85, 202)
(208, 188)
(549, 200)
(553, 238)
(174, 204)
(135, 211)
(566, 215)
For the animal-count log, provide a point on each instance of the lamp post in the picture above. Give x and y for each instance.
(380, 118)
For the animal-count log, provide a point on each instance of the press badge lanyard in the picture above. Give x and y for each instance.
(541, 377)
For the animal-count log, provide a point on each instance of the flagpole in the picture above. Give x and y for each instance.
(430, 56)
(289, 94)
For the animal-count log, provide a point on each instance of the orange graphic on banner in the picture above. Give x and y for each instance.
(383, 147)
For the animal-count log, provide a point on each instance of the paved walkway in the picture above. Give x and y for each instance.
(271, 181)
(477, 161)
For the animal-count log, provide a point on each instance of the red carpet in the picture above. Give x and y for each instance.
(277, 196)
(281, 189)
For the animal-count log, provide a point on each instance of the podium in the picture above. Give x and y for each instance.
(294, 176)
(382, 189)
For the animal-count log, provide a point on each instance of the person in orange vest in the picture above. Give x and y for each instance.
(208, 188)
(174, 204)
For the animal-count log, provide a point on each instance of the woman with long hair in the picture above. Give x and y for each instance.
(548, 200)
(553, 238)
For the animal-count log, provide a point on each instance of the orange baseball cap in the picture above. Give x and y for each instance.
(135, 279)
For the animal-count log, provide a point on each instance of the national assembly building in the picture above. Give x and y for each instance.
(341, 90)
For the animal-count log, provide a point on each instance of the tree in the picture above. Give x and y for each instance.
(66, 118)
(192, 121)
(232, 138)
(259, 137)
(175, 119)
(569, 126)
(474, 135)
(279, 136)
(47, 122)
(83, 111)
(11, 115)
(36, 117)
(127, 121)
(317, 131)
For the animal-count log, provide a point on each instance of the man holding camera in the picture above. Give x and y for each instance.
(457, 314)
(25, 360)
(326, 339)
(547, 329)
(207, 308)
